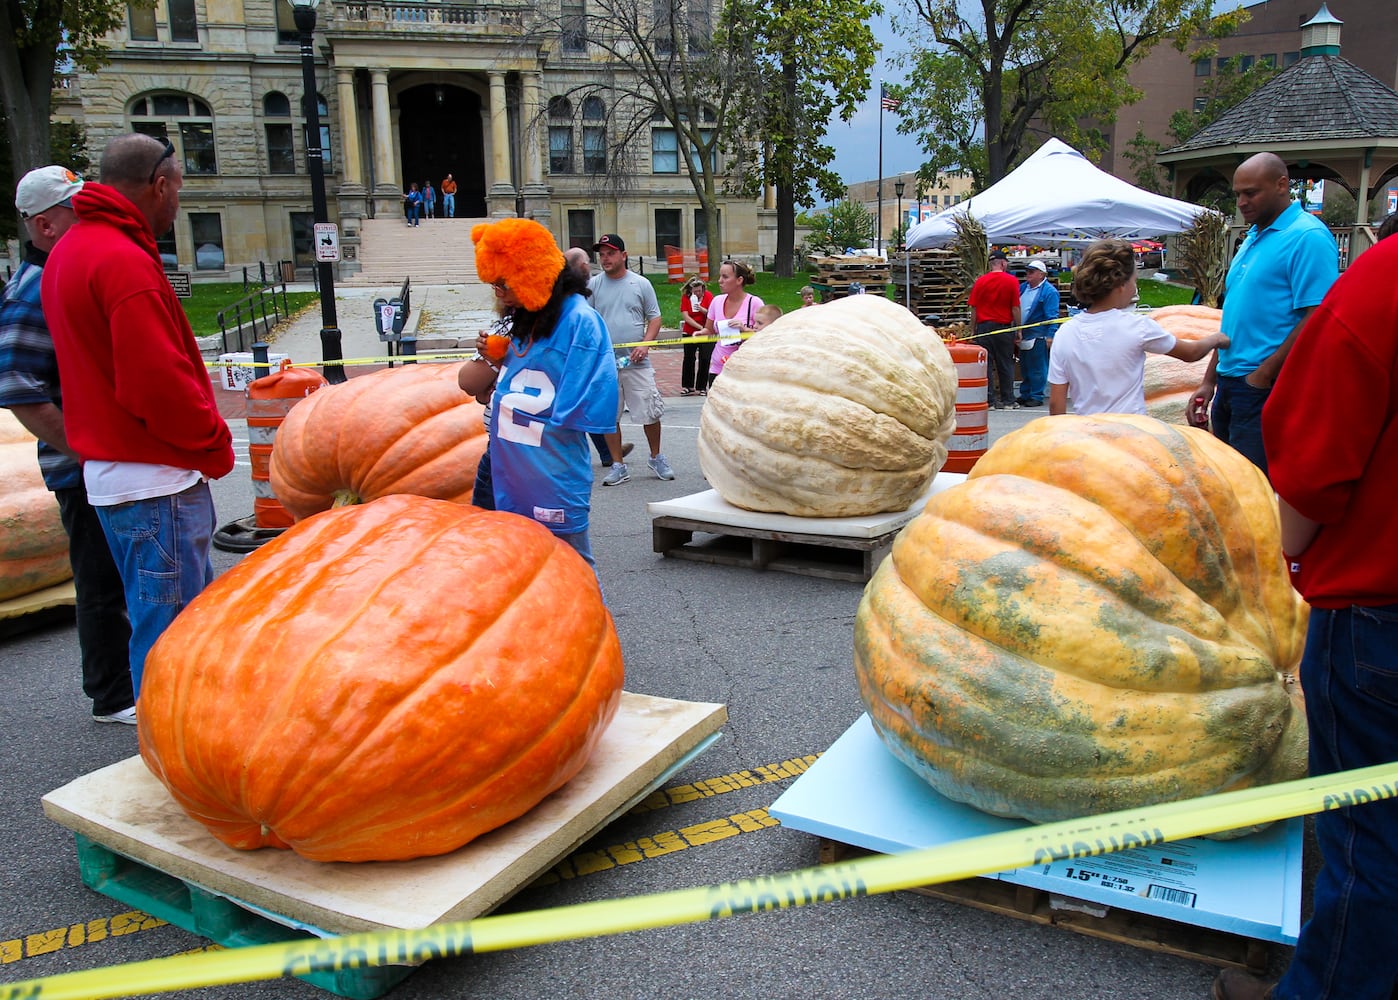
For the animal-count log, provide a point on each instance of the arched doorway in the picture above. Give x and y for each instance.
(441, 132)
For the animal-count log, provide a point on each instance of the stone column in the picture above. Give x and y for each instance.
(353, 204)
(500, 199)
(388, 198)
(535, 192)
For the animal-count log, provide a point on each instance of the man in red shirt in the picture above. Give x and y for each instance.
(995, 306)
(138, 407)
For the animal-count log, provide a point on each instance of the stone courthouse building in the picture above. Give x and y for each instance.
(408, 91)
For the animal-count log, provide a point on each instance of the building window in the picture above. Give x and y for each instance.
(581, 229)
(1244, 63)
(276, 105)
(574, 26)
(667, 230)
(1203, 67)
(594, 149)
(706, 136)
(287, 32)
(323, 111)
(594, 109)
(701, 232)
(1200, 103)
(664, 151)
(281, 150)
(1222, 63)
(207, 230)
(184, 25)
(700, 25)
(1290, 59)
(1269, 60)
(302, 236)
(169, 252)
(186, 121)
(560, 113)
(142, 21)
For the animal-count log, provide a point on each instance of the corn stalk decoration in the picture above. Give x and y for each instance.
(1203, 248)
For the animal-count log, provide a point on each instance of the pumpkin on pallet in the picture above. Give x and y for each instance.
(1098, 618)
(420, 672)
(831, 412)
(34, 554)
(1171, 382)
(401, 430)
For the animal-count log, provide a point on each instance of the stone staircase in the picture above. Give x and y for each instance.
(437, 252)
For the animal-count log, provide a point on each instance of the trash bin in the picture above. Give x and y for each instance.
(288, 271)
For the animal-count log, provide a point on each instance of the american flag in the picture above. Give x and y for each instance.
(886, 100)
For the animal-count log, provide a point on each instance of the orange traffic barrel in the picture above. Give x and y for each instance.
(674, 265)
(270, 399)
(970, 439)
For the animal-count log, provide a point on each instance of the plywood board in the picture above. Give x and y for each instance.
(123, 808)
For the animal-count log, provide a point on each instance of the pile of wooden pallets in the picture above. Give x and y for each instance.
(937, 286)
(836, 277)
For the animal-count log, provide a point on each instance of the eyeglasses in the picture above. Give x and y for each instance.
(169, 152)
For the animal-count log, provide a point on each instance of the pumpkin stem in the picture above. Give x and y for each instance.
(345, 498)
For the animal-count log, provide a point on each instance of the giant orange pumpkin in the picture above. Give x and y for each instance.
(33, 544)
(1170, 382)
(401, 430)
(1098, 618)
(382, 682)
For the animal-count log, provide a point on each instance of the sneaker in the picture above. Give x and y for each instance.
(1012, 406)
(617, 476)
(997, 406)
(660, 467)
(127, 717)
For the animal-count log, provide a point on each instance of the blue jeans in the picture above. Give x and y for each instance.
(162, 549)
(1237, 417)
(1350, 677)
(1034, 361)
(483, 492)
(449, 206)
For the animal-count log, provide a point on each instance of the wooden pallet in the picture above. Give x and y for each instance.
(1095, 920)
(50, 606)
(136, 845)
(830, 557)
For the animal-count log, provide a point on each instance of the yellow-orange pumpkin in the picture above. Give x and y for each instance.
(33, 544)
(1098, 618)
(401, 430)
(382, 682)
(1169, 382)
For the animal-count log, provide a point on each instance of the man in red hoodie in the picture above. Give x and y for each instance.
(138, 406)
(1330, 426)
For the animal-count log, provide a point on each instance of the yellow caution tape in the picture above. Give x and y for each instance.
(1079, 838)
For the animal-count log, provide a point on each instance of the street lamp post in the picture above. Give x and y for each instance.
(898, 187)
(304, 12)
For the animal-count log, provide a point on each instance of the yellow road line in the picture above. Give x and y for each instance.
(766, 774)
(87, 932)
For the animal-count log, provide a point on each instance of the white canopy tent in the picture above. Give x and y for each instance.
(1057, 198)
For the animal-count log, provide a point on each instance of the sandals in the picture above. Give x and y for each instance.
(686, 392)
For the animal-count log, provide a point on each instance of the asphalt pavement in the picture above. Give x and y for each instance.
(774, 647)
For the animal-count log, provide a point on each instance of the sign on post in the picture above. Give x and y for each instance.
(327, 237)
(182, 282)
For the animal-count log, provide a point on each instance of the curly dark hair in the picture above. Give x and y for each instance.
(530, 326)
(1105, 267)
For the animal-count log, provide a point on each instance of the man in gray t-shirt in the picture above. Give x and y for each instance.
(631, 312)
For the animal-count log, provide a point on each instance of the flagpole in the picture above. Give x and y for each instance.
(879, 217)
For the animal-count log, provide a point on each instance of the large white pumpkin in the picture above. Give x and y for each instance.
(832, 411)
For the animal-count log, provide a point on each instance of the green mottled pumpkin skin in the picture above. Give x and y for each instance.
(1098, 618)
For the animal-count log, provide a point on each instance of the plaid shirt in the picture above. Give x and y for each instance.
(28, 366)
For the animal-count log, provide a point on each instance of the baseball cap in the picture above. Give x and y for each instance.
(610, 240)
(998, 255)
(43, 188)
(1037, 265)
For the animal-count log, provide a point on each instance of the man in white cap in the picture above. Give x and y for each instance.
(1038, 304)
(29, 388)
(140, 409)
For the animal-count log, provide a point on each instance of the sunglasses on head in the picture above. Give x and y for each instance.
(169, 152)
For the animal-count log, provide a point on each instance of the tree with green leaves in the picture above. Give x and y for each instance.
(808, 64)
(666, 68)
(1003, 72)
(34, 36)
(846, 225)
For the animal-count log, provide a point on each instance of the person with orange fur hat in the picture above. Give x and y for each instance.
(556, 383)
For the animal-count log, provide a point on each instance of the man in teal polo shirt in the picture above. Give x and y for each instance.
(1282, 270)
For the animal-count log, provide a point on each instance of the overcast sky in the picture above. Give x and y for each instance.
(857, 144)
